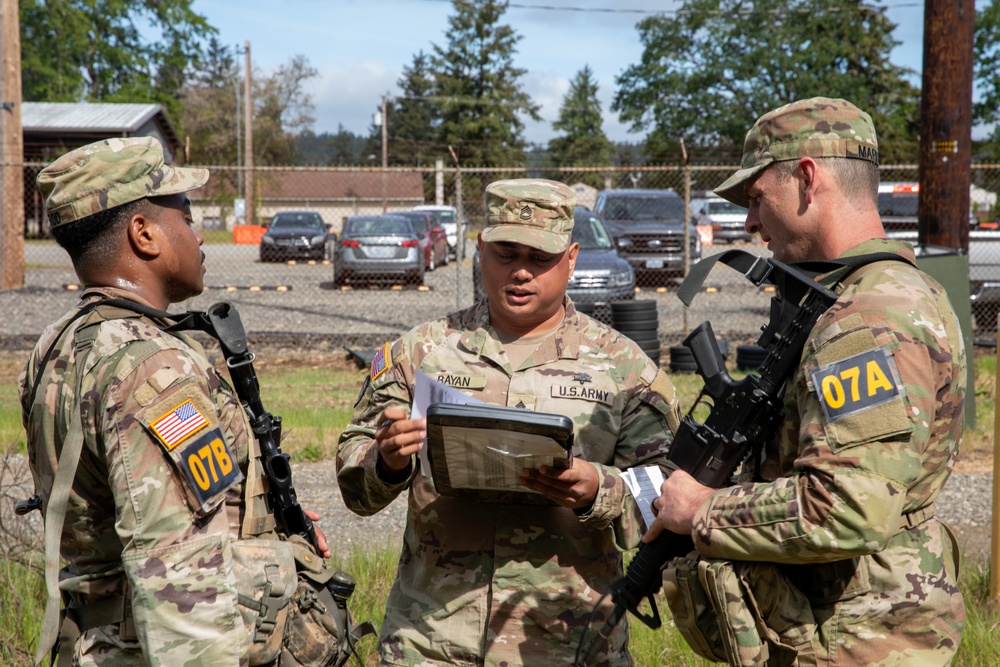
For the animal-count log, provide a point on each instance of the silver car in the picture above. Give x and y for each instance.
(378, 249)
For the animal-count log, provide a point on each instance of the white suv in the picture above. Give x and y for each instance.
(447, 217)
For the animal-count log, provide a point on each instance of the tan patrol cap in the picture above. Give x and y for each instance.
(110, 173)
(533, 211)
(818, 127)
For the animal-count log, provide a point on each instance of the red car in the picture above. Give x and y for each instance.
(433, 239)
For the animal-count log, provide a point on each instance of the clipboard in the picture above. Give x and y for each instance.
(478, 451)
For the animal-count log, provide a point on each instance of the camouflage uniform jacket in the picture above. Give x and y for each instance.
(512, 584)
(873, 421)
(135, 525)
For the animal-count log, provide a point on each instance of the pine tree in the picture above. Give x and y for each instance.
(478, 88)
(584, 142)
(412, 129)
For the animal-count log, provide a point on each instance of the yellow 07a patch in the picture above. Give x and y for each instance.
(178, 424)
(856, 383)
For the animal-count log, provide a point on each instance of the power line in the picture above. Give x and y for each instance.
(680, 12)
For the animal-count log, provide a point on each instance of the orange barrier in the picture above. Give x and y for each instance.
(248, 234)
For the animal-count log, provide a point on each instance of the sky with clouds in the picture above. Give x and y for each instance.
(360, 47)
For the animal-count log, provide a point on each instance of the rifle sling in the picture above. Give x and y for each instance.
(759, 270)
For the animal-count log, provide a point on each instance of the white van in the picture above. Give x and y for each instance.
(897, 206)
(728, 220)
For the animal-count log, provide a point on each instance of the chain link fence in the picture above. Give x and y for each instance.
(323, 253)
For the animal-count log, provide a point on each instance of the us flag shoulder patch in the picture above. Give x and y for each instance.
(381, 361)
(179, 424)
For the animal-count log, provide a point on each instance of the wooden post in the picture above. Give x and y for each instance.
(995, 516)
(946, 124)
(11, 150)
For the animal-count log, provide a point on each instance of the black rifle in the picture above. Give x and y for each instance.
(745, 414)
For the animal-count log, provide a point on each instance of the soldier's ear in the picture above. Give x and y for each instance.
(143, 234)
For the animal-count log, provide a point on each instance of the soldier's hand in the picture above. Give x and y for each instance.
(321, 546)
(681, 495)
(398, 438)
(572, 487)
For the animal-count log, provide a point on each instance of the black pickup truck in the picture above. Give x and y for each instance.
(648, 227)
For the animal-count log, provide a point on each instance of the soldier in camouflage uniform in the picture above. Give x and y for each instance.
(166, 477)
(873, 417)
(495, 584)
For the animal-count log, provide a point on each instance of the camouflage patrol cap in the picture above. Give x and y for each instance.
(817, 127)
(532, 211)
(110, 173)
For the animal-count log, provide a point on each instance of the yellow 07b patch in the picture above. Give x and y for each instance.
(856, 383)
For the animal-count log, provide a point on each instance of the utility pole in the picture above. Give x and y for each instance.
(385, 155)
(248, 140)
(946, 123)
(11, 150)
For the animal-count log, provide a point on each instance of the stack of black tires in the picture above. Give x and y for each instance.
(639, 321)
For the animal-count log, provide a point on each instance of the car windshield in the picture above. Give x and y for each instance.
(379, 227)
(723, 207)
(644, 208)
(297, 220)
(590, 234)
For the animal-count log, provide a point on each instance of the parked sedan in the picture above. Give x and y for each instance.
(601, 275)
(294, 235)
(378, 249)
(433, 240)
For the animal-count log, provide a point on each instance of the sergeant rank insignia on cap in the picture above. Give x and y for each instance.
(179, 424)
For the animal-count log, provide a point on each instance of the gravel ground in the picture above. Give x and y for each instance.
(965, 505)
(312, 317)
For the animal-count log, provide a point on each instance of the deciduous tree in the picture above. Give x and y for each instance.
(986, 56)
(709, 71)
(76, 50)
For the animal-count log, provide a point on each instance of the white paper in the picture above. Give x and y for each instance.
(427, 390)
(644, 482)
